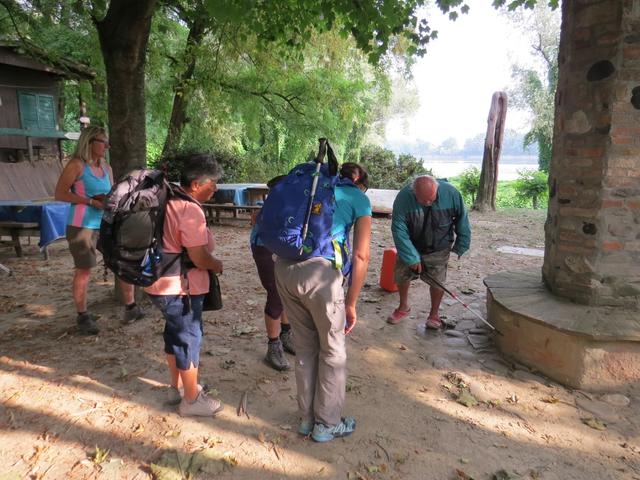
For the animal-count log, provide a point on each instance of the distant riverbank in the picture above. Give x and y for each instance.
(447, 167)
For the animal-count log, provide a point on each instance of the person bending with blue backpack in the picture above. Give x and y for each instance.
(279, 334)
(312, 292)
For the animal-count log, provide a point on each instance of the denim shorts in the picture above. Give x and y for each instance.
(264, 263)
(183, 327)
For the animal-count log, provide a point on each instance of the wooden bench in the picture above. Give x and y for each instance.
(212, 210)
(15, 230)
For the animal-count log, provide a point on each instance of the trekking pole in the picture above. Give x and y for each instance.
(319, 159)
(455, 297)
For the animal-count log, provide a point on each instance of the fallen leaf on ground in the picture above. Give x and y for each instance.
(594, 423)
(466, 398)
(243, 329)
(462, 475)
(549, 399)
(504, 475)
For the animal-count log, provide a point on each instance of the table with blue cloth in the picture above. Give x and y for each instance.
(50, 216)
(238, 193)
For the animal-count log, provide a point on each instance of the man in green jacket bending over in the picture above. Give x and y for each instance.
(429, 222)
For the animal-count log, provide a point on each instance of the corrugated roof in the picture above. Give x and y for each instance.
(29, 180)
(40, 59)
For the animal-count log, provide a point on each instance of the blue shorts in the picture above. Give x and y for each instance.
(183, 327)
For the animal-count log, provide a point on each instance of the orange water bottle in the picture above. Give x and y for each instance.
(386, 272)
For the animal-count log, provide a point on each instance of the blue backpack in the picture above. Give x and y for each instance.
(296, 219)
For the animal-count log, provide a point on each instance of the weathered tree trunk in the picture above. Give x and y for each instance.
(182, 94)
(124, 34)
(486, 198)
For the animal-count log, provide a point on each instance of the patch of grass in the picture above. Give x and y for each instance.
(506, 196)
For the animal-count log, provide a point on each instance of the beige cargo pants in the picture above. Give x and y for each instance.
(313, 298)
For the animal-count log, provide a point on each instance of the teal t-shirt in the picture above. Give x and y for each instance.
(351, 204)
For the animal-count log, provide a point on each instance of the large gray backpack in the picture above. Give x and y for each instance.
(132, 227)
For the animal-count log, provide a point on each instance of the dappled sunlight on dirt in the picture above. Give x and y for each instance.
(427, 403)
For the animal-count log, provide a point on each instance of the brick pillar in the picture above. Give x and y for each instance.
(592, 253)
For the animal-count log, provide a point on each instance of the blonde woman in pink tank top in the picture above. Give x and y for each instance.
(84, 183)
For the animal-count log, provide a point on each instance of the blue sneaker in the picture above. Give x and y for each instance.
(306, 427)
(322, 433)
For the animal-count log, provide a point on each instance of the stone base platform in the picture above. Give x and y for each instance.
(582, 346)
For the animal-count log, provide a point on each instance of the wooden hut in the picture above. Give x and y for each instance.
(30, 117)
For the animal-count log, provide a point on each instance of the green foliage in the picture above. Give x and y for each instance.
(531, 185)
(469, 183)
(266, 109)
(374, 26)
(387, 171)
(507, 195)
(536, 87)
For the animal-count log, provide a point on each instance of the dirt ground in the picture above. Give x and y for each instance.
(428, 405)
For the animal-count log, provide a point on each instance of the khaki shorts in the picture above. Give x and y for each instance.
(82, 245)
(435, 264)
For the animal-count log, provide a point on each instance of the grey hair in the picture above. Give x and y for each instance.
(198, 167)
(415, 180)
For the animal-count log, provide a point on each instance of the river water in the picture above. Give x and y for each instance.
(452, 167)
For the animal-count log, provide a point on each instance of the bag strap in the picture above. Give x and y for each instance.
(325, 149)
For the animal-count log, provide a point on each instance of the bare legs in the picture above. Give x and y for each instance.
(273, 324)
(436, 298)
(128, 293)
(403, 290)
(80, 285)
(184, 378)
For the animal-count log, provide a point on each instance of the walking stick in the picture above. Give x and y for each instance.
(333, 166)
(455, 297)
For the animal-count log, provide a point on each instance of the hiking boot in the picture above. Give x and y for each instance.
(322, 433)
(132, 315)
(287, 341)
(87, 324)
(275, 357)
(203, 406)
(174, 395)
(305, 427)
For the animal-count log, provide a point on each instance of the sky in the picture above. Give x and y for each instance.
(469, 61)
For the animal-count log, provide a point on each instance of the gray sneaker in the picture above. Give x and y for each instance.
(87, 324)
(130, 316)
(275, 357)
(203, 406)
(287, 342)
(174, 395)
(322, 433)
(305, 427)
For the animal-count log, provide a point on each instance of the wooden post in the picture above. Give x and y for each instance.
(30, 148)
(486, 198)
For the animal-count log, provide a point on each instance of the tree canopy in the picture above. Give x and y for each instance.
(257, 81)
(535, 87)
(278, 54)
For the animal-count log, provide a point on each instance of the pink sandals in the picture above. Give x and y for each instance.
(397, 316)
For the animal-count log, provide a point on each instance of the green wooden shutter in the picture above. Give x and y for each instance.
(46, 113)
(37, 112)
(28, 103)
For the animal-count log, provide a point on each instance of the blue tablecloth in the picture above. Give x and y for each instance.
(235, 193)
(51, 217)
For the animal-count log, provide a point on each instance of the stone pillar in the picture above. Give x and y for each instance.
(592, 253)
